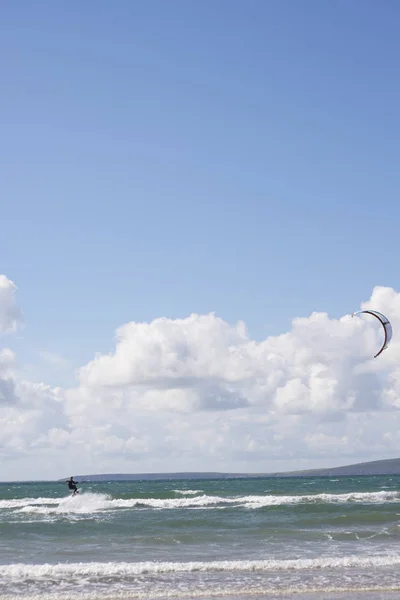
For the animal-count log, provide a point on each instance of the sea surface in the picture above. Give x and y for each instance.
(305, 538)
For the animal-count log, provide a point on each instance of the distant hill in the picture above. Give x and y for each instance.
(157, 476)
(377, 467)
(390, 466)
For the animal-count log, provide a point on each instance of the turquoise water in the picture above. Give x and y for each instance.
(267, 537)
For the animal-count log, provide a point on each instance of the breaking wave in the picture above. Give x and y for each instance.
(119, 569)
(91, 502)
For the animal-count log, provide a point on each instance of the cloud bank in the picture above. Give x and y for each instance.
(198, 393)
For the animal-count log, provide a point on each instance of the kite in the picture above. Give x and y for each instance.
(387, 327)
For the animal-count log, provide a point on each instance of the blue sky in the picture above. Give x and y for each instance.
(162, 158)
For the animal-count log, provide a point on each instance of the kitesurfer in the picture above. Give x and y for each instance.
(72, 485)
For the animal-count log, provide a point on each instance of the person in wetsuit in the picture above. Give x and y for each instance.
(72, 485)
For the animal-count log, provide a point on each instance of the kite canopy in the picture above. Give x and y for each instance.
(387, 327)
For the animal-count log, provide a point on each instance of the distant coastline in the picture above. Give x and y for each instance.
(377, 467)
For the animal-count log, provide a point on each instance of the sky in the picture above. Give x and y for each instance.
(195, 196)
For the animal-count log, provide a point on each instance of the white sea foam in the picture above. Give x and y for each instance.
(17, 502)
(61, 571)
(91, 503)
(82, 503)
(188, 492)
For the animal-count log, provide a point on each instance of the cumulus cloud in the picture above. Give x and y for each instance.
(10, 314)
(199, 393)
(202, 363)
(8, 370)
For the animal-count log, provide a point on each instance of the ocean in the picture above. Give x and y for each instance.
(304, 538)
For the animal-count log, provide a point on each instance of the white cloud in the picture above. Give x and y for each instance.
(197, 393)
(10, 314)
(171, 351)
(7, 374)
(202, 363)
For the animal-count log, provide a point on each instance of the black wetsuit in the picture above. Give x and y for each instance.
(72, 486)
